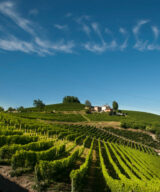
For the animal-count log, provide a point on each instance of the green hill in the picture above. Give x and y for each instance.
(60, 107)
(143, 117)
(142, 120)
(133, 119)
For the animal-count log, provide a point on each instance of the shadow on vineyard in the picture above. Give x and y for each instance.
(8, 186)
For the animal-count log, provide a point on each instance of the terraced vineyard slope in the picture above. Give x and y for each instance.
(78, 158)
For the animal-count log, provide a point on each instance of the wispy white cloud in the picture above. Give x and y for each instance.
(82, 20)
(136, 28)
(100, 48)
(42, 45)
(8, 9)
(33, 12)
(108, 31)
(112, 46)
(86, 29)
(61, 27)
(124, 45)
(152, 47)
(95, 27)
(155, 32)
(38, 46)
(68, 14)
(14, 44)
(140, 44)
(94, 47)
(59, 46)
(122, 31)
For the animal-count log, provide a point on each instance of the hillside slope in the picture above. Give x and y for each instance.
(60, 107)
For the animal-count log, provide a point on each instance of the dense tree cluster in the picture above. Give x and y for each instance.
(1, 109)
(10, 109)
(20, 109)
(39, 104)
(70, 99)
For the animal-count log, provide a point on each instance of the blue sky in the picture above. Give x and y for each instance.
(98, 50)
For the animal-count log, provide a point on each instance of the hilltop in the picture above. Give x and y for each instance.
(76, 112)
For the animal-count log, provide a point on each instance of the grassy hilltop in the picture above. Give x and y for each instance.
(75, 112)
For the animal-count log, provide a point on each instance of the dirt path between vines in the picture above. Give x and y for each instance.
(94, 181)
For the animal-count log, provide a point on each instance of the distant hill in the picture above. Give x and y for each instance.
(60, 107)
(133, 119)
(148, 118)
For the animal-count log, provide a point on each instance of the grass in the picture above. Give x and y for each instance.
(134, 119)
(60, 107)
(103, 117)
(143, 117)
(53, 116)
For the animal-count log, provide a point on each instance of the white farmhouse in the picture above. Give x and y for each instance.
(106, 108)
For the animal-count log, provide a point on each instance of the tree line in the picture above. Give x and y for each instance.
(66, 100)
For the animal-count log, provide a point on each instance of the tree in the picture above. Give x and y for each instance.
(115, 105)
(70, 99)
(10, 109)
(20, 109)
(1, 109)
(88, 103)
(39, 104)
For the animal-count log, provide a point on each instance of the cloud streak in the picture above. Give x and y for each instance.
(36, 44)
(33, 12)
(100, 48)
(124, 32)
(14, 44)
(61, 27)
(8, 9)
(155, 32)
(43, 45)
(140, 44)
(136, 28)
(95, 27)
(60, 46)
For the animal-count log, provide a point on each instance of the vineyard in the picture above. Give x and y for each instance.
(77, 158)
(56, 117)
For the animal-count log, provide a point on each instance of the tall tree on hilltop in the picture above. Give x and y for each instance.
(115, 105)
(39, 104)
(20, 109)
(88, 103)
